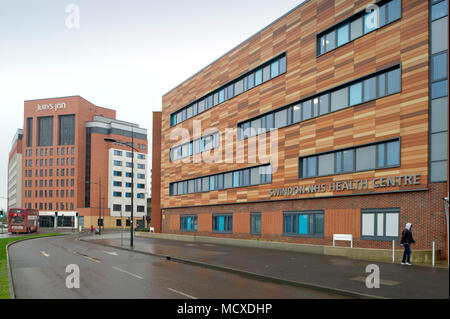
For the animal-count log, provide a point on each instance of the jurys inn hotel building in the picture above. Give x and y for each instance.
(331, 120)
(61, 165)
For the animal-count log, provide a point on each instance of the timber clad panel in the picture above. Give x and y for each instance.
(403, 115)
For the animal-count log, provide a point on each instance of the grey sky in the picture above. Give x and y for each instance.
(125, 55)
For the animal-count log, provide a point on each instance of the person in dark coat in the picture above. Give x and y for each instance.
(406, 241)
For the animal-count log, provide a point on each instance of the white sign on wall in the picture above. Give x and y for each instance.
(49, 107)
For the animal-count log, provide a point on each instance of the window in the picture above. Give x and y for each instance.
(439, 66)
(330, 41)
(339, 99)
(355, 94)
(380, 224)
(117, 153)
(223, 223)
(118, 222)
(343, 34)
(255, 223)
(66, 129)
(309, 223)
(356, 29)
(188, 223)
(370, 89)
(45, 131)
(393, 81)
(263, 73)
(117, 163)
(118, 184)
(375, 156)
(117, 173)
(365, 158)
(117, 194)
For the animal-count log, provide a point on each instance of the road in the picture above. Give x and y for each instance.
(38, 270)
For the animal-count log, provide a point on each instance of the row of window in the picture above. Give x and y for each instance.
(244, 83)
(119, 194)
(376, 224)
(43, 183)
(118, 208)
(358, 25)
(119, 184)
(244, 177)
(49, 172)
(139, 146)
(439, 90)
(372, 87)
(66, 132)
(356, 159)
(128, 164)
(44, 194)
(203, 144)
(128, 154)
(49, 162)
(47, 151)
(58, 206)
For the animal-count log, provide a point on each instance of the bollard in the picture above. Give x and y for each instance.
(393, 251)
(432, 255)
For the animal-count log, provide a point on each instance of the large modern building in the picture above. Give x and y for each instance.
(331, 120)
(15, 171)
(69, 170)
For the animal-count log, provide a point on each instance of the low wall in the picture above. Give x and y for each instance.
(383, 255)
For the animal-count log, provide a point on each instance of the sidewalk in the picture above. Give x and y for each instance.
(338, 274)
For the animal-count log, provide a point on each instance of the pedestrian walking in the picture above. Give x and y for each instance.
(92, 229)
(406, 241)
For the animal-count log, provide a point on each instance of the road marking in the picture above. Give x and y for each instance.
(181, 293)
(90, 258)
(129, 273)
(44, 254)
(112, 253)
(382, 281)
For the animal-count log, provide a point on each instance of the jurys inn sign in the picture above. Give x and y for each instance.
(359, 184)
(49, 107)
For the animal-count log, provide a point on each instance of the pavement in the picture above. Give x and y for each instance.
(340, 275)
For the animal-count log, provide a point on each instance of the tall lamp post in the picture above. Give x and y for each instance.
(111, 140)
(99, 183)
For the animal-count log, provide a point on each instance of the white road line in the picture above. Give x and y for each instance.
(44, 254)
(181, 293)
(129, 273)
(112, 253)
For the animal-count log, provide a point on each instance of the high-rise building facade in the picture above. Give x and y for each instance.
(15, 171)
(331, 120)
(69, 170)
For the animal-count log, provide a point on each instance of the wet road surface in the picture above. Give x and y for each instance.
(38, 269)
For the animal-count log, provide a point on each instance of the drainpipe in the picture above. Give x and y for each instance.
(446, 216)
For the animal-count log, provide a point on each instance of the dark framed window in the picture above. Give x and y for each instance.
(307, 223)
(357, 25)
(379, 155)
(380, 224)
(67, 129)
(222, 223)
(188, 223)
(45, 131)
(255, 223)
(335, 99)
(245, 82)
(118, 222)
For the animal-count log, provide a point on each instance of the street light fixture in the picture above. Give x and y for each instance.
(111, 140)
(99, 183)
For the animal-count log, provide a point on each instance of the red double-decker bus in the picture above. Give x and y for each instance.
(23, 220)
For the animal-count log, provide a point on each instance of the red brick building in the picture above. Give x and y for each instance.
(70, 170)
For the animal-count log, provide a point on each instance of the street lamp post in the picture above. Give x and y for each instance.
(99, 201)
(132, 178)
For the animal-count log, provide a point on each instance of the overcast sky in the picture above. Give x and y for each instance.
(125, 54)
